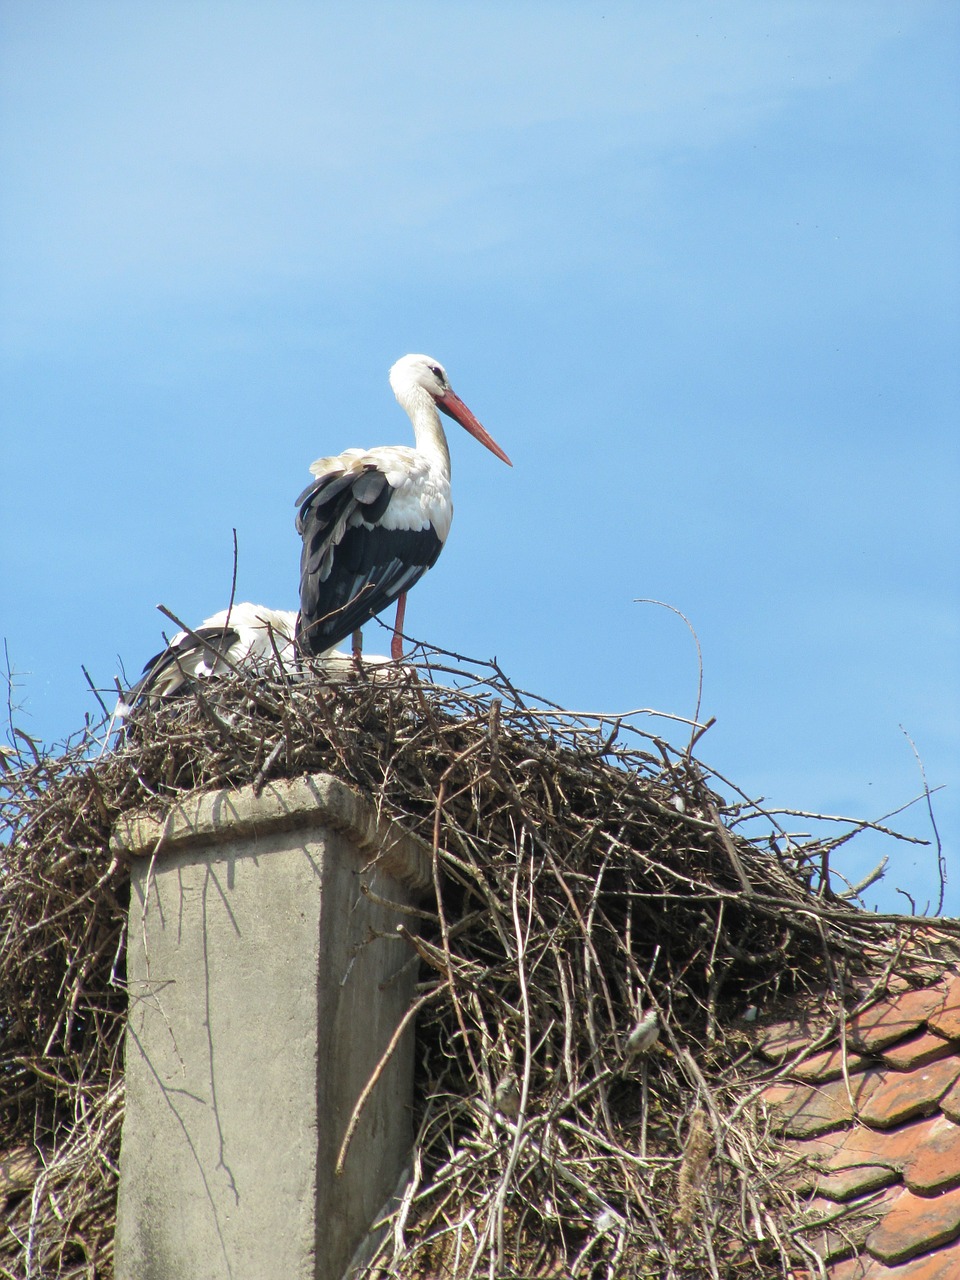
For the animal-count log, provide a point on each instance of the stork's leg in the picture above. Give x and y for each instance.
(396, 644)
(356, 641)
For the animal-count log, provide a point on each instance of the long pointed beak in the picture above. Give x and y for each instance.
(453, 406)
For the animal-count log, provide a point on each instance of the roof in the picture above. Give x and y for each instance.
(872, 1127)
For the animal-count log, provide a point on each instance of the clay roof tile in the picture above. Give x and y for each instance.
(914, 1225)
(878, 1152)
(893, 1018)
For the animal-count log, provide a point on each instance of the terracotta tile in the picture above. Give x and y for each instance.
(927, 974)
(784, 1039)
(890, 1147)
(802, 1162)
(782, 1093)
(859, 1269)
(829, 1241)
(897, 983)
(816, 1151)
(950, 1103)
(935, 1163)
(821, 1067)
(891, 1019)
(812, 1110)
(904, 1094)
(855, 1180)
(805, 1161)
(830, 1148)
(848, 1226)
(854, 1269)
(915, 1225)
(862, 1159)
(918, 1050)
(805, 1110)
(946, 1018)
(951, 1039)
(944, 1264)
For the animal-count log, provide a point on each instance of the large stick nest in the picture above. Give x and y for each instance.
(590, 880)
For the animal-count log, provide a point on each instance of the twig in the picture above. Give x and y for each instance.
(941, 861)
(378, 1071)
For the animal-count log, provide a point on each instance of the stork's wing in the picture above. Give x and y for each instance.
(167, 671)
(355, 560)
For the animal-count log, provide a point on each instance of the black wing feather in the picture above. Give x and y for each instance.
(369, 566)
(215, 641)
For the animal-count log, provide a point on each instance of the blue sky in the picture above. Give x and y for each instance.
(695, 266)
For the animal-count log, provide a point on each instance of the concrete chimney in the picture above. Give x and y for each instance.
(266, 979)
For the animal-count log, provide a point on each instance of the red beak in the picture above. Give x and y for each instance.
(453, 406)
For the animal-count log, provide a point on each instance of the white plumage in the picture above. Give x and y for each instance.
(374, 520)
(243, 636)
(247, 636)
(642, 1038)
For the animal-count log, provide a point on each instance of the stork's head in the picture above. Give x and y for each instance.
(412, 376)
(419, 372)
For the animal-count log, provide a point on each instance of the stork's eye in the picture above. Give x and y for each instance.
(438, 374)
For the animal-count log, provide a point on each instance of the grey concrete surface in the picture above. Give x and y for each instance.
(264, 986)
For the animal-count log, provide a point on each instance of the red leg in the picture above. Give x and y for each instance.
(396, 645)
(356, 642)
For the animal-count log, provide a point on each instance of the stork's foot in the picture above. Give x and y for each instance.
(356, 644)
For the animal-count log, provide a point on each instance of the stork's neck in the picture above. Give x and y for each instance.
(427, 429)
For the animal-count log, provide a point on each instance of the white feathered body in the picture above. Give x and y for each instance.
(248, 637)
(375, 520)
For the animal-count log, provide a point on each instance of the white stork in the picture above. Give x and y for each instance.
(247, 636)
(244, 635)
(375, 520)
